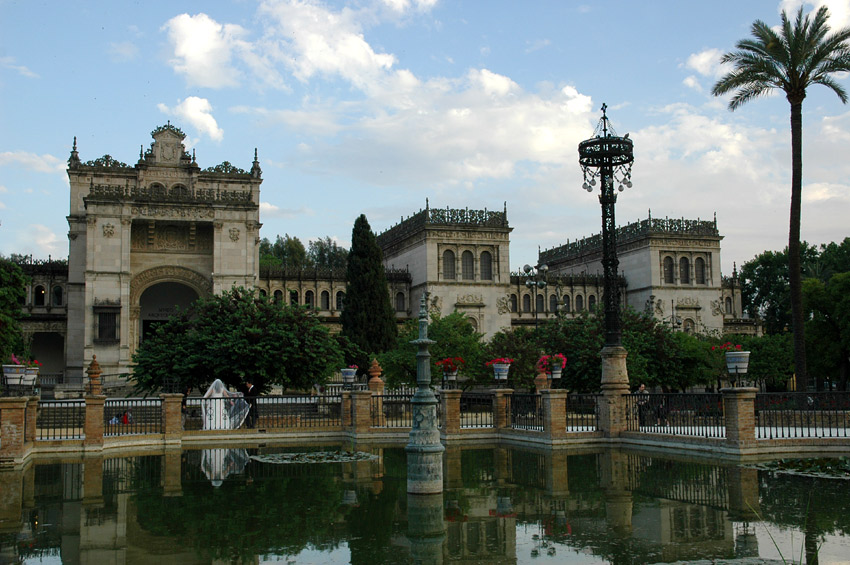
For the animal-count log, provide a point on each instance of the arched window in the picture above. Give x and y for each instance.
(38, 296)
(57, 296)
(553, 303)
(566, 303)
(486, 266)
(293, 297)
(467, 266)
(684, 271)
(668, 270)
(579, 303)
(513, 303)
(539, 303)
(728, 305)
(308, 298)
(591, 302)
(526, 303)
(278, 296)
(399, 302)
(448, 264)
(263, 293)
(340, 300)
(326, 300)
(699, 270)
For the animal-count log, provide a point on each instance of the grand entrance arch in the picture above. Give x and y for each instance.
(160, 301)
(156, 294)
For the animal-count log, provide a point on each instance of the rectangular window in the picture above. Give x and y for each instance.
(107, 324)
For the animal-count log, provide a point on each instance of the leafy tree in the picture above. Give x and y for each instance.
(454, 337)
(325, 253)
(234, 336)
(828, 328)
(835, 258)
(799, 55)
(523, 346)
(284, 252)
(368, 319)
(771, 358)
(12, 294)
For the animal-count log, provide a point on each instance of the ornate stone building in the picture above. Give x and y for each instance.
(147, 239)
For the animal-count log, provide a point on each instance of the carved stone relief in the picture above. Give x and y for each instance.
(470, 300)
(108, 230)
(234, 234)
(436, 304)
(503, 305)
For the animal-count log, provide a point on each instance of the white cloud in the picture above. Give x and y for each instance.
(40, 163)
(123, 51)
(267, 209)
(537, 45)
(46, 242)
(198, 112)
(203, 49)
(401, 6)
(693, 83)
(839, 10)
(706, 62)
(9, 63)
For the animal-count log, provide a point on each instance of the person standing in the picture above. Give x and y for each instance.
(251, 397)
(642, 404)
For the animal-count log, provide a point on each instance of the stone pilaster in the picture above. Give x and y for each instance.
(615, 384)
(93, 427)
(501, 403)
(739, 408)
(743, 493)
(93, 479)
(554, 413)
(362, 400)
(345, 406)
(172, 418)
(32, 420)
(450, 405)
(453, 466)
(12, 435)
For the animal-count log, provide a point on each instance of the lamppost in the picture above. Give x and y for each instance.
(610, 158)
(535, 279)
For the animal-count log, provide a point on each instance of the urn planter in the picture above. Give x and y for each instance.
(556, 373)
(500, 371)
(737, 362)
(14, 374)
(348, 376)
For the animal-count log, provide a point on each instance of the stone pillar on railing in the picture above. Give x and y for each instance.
(450, 406)
(501, 404)
(743, 484)
(452, 463)
(12, 500)
(615, 385)
(557, 483)
(345, 406)
(554, 413)
(93, 427)
(376, 387)
(12, 437)
(541, 382)
(94, 372)
(739, 409)
(32, 420)
(362, 400)
(172, 419)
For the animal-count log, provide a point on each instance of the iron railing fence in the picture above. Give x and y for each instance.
(60, 419)
(476, 410)
(684, 414)
(278, 411)
(525, 412)
(582, 412)
(802, 414)
(132, 416)
(392, 410)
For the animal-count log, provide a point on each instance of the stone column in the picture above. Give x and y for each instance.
(426, 528)
(450, 405)
(362, 400)
(554, 413)
(345, 406)
(615, 384)
(12, 437)
(376, 387)
(501, 403)
(93, 427)
(172, 419)
(739, 407)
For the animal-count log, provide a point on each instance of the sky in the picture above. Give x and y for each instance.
(370, 107)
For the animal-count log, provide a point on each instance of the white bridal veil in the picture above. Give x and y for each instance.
(223, 410)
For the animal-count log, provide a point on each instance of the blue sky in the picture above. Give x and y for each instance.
(372, 106)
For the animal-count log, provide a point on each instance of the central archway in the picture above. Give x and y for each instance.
(160, 301)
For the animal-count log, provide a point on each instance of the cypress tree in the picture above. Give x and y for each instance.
(367, 318)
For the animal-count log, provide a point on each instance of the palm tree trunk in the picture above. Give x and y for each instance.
(795, 276)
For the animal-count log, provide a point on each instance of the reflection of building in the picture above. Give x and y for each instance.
(147, 239)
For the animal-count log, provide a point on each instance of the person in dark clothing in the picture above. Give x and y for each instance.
(250, 393)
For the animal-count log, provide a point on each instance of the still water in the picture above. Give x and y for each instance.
(500, 505)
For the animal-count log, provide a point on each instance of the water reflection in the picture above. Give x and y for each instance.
(500, 505)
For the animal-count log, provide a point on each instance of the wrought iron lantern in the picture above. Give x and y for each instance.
(609, 158)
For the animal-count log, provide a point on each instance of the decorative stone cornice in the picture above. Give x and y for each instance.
(449, 217)
(168, 127)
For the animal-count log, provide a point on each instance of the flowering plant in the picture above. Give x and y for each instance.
(728, 346)
(25, 362)
(353, 367)
(499, 361)
(547, 362)
(450, 364)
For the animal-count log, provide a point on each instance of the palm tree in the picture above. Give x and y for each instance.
(798, 55)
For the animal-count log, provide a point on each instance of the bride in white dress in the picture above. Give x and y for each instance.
(223, 410)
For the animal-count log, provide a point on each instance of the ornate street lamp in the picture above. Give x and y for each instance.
(535, 279)
(609, 158)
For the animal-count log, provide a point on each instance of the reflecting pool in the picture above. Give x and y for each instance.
(500, 505)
